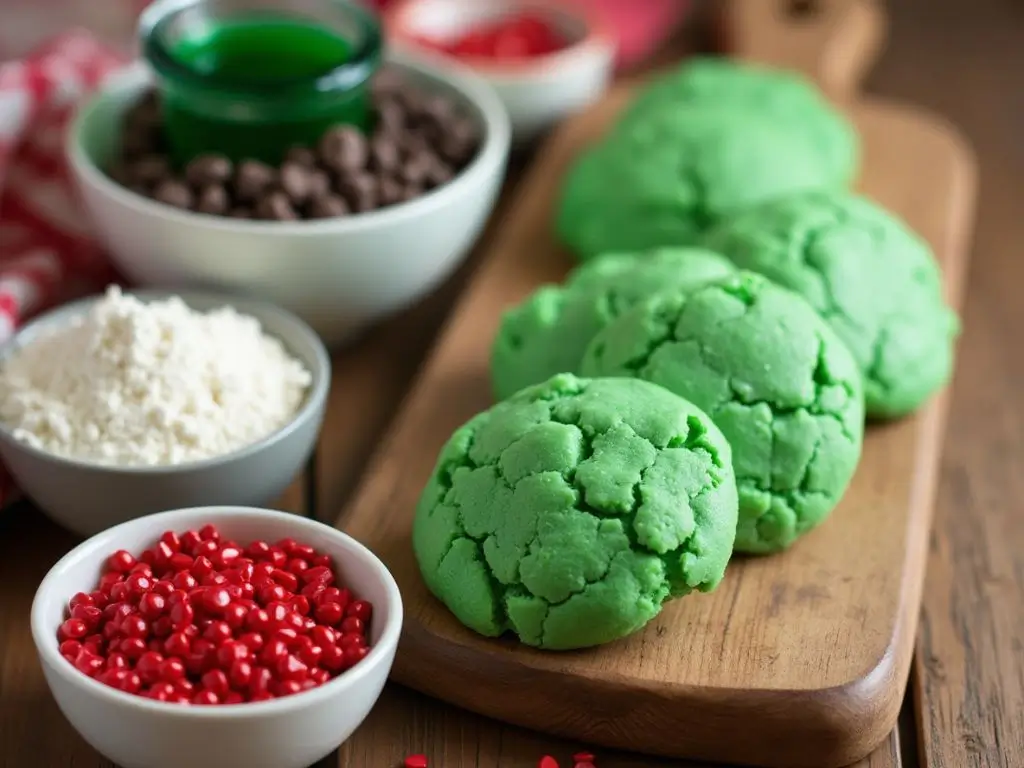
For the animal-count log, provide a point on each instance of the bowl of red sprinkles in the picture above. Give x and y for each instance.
(544, 59)
(217, 637)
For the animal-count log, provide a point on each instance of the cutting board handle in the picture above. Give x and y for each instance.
(834, 42)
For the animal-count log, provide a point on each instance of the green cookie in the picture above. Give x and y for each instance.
(549, 331)
(773, 376)
(872, 279)
(787, 95)
(725, 81)
(569, 513)
(672, 168)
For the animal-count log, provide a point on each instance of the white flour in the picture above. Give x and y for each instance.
(134, 384)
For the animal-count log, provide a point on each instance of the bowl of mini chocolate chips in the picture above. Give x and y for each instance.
(342, 231)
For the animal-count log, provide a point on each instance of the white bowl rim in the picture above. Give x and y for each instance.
(470, 87)
(317, 393)
(595, 38)
(47, 646)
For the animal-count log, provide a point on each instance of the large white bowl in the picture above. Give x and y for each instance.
(339, 275)
(290, 732)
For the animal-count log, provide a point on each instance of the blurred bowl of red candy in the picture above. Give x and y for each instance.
(545, 59)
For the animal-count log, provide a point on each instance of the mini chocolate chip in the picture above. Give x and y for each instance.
(411, 192)
(391, 117)
(357, 181)
(455, 151)
(440, 109)
(276, 207)
(327, 207)
(459, 141)
(173, 192)
(252, 179)
(213, 199)
(387, 81)
(384, 153)
(208, 169)
(390, 190)
(412, 101)
(438, 173)
(416, 168)
(364, 202)
(296, 182)
(360, 190)
(319, 184)
(431, 134)
(343, 149)
(465, 129)
(412, 143)
(149, 170)
(303, 156)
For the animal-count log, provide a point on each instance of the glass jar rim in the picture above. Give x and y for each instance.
(349, 74)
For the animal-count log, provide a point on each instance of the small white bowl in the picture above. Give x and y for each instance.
(86, 497)
(339, 275)
(290, 732)
(536, 92)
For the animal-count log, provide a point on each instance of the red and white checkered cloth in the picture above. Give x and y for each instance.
(47, 254)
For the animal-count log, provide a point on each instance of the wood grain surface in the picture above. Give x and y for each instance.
(835, 41)
(964, 60)
(810, 649)
(967, 61)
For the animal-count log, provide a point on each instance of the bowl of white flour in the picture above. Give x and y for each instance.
(125, 404)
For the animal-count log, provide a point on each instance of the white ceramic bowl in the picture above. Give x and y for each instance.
(339, 275)
(87, 497)
(536, 92)
(290, 732)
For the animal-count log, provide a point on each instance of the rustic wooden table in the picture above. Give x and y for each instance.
(965, 703)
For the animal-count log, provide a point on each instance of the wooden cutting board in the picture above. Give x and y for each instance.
(797, 660)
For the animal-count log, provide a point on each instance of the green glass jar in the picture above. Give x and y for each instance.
(251, 78)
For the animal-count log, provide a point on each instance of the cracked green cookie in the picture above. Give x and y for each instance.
(680, 161)
(549, 331)
(569, 513)
(728, 84)
(874, 281)
(774, 377)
